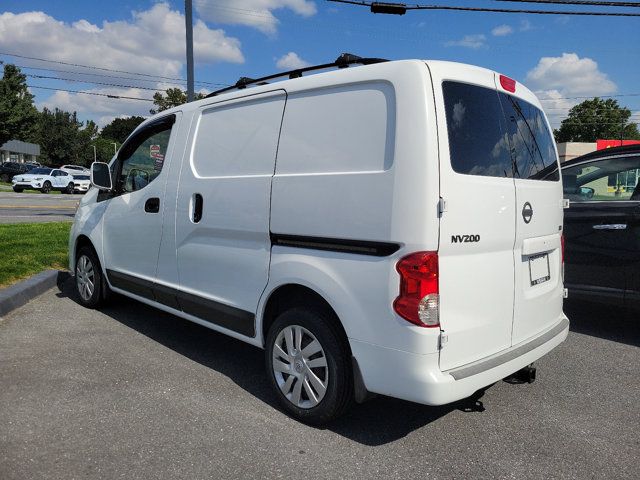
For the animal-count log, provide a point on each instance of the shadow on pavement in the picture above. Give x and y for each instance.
(379, 421)
(609, 323)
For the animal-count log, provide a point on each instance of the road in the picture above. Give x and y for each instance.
(131, 392)
(37, 207)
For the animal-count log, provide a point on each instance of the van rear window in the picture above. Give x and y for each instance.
(497, 135)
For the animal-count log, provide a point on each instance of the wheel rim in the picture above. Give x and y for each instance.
(85, 277)
(300, 366)
(46, 186)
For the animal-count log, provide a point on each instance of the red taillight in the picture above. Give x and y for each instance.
(418, 301)
(509, 84)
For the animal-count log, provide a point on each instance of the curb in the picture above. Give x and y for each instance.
(22, 292)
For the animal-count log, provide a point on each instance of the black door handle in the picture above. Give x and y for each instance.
(152, 205)
(197, 207)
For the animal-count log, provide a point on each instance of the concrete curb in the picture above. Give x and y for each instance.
(22, 292)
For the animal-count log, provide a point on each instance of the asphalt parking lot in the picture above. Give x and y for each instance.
(132, 392)
(37, 207)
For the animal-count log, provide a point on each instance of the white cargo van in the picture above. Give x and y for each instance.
(393, 228)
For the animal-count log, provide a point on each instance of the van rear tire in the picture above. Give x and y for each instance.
(310, 371)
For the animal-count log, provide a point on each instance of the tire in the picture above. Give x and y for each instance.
(90, 284)
(17, 189)
(300, 392)
(46, 187)
(69, 189)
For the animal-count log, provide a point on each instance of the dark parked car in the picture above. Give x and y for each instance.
(602, 226)
(9, 169)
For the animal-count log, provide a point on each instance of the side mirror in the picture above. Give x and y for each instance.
(101, 176)
(587, 192)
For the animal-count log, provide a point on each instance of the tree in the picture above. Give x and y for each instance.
(173, 98)
(18, 116)
(120, 128)
(597, 118)
(63, 139)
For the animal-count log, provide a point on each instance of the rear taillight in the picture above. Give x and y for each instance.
(509, 84)
(419, 301)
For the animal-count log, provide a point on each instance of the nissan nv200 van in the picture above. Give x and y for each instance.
(391, 228)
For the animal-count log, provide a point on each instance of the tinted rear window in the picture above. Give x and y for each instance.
(494, 134)
(43, 171)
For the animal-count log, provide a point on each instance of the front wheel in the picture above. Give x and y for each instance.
(17, 189)
(89, 279)
(308, 364)
(69, 188)
(46, 187)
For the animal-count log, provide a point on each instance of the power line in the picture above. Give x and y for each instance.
(122, 97)
(24, 67)
(578, 2)
(491, 10)
(94, 83)
(103, 68)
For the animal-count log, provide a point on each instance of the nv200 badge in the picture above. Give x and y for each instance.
(465, 238)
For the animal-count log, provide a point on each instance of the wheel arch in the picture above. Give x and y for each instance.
(290, 295)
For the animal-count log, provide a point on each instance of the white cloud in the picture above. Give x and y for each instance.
(502, 31)
(253, 13)
(468, 41)
(570, 73)
(525, 26)
(152, 41)
(556, 78)
(291, 61)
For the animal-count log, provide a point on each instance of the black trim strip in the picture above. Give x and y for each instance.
(232, 318)
(362, 247)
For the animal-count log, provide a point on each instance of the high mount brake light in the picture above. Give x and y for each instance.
(419, 299)
(509, 84)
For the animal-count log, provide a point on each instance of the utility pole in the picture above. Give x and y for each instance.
(188, 19)
(95, 156)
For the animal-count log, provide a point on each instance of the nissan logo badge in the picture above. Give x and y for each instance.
(527, 212)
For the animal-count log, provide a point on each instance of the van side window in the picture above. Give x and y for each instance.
(141, 159)
(478, 143)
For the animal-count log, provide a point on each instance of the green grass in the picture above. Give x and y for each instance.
(29, 248)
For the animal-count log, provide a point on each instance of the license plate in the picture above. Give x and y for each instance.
(539, 269)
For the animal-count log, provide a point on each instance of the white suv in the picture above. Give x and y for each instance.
(47, 179)
(393, 228)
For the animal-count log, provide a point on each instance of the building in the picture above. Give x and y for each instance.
(570, 150)
(21, 152)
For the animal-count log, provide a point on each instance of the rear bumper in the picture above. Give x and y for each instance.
(418, 378)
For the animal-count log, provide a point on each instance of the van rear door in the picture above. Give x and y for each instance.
(477, 224)
(539, 210)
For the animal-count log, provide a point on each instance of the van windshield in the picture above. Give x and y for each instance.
(497, 135)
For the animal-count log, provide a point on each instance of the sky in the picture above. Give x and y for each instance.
(559, 57)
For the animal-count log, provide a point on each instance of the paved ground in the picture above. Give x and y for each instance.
(37, 207)
(134, 393)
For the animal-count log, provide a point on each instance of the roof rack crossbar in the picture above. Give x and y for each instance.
(343, 61)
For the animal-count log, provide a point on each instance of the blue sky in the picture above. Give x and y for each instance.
(560, 57)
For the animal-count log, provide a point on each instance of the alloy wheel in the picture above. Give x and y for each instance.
(300, 366)
(85, 277)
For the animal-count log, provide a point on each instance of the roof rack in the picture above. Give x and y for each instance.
(343, 61)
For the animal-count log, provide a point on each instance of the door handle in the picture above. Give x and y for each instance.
(197, 207)
(152, 205)
(612, 226)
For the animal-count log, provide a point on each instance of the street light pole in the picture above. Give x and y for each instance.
(115, 147)
(95, 156)
(188, 19)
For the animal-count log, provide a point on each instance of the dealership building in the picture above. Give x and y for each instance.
(21, 152)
